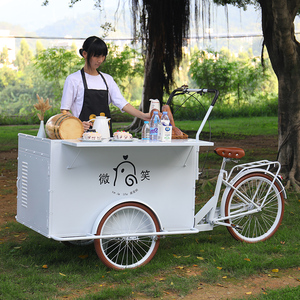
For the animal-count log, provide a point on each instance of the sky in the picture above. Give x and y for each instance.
(31, 15)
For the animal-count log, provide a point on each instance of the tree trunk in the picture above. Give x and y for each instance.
(153, 82)
(153, 79)
(284, 52)
(164, 25)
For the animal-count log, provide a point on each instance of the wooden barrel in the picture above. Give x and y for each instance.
(64, 127)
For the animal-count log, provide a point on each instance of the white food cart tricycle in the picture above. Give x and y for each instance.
(124, 196)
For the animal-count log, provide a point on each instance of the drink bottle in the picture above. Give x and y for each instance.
(146, 131)
(154, 125)
(165, 119)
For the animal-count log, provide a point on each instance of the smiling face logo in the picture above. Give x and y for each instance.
(125, 171)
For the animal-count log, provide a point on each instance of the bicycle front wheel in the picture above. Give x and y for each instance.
(249, 191)
(132, 251)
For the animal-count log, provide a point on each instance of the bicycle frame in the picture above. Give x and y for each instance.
(210, 215)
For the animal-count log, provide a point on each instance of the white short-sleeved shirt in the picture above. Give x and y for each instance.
(73, 93)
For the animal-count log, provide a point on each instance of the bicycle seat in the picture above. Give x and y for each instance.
(230, 152)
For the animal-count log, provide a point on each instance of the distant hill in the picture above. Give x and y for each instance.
(89, 24)
(16, 30)
(83, 26)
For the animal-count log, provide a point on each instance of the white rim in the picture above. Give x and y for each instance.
(259, 226)
(132, 251)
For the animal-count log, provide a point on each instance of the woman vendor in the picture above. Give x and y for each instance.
(88, 92)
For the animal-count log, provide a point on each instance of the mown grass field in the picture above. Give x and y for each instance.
(234, 126)
(35, 267)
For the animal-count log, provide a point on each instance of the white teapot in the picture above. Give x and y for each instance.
(101, 126)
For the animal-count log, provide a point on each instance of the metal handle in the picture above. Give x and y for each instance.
(184, 89)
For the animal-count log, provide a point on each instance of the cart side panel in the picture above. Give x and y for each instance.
(84, 181)
(33, 183)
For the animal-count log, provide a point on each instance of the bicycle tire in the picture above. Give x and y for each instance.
(127, 252)
(259, 226)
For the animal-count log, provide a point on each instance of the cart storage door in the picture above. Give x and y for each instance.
(33, 183)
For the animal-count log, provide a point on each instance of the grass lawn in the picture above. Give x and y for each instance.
(236, 126)
(35, 267)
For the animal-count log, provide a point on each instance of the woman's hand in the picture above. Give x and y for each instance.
(86, 125)
(65, 111)
(147, 117)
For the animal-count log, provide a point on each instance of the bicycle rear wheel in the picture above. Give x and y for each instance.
(259, 226)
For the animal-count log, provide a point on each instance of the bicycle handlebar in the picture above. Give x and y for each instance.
(183, 90)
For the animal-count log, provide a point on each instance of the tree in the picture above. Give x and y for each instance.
(284, 52)
(56, 64)
(4, 58)
(236, 78)
(124, 63)
(24, 55)
(39, 47)
(163, 27)
(7, 77)
(167, 21)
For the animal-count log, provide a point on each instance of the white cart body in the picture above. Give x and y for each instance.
(66, 186)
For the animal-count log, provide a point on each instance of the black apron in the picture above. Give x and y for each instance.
(94, 102)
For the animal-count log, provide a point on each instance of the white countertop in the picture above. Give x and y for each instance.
(136, 143)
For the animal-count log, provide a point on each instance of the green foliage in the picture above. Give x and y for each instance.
(7, 77)
(56, 64)
(46, 73)
(17, 99)
(123, 65)
(39, 47)
(4, 56)
(237, 79)
(194, 107)
(24, 56)
(245, 89)
(239, 3)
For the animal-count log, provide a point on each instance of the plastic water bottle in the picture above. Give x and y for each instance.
(154, 126)
(165, 121)
(146, 131)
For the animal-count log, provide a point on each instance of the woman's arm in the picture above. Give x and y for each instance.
(136, 113)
